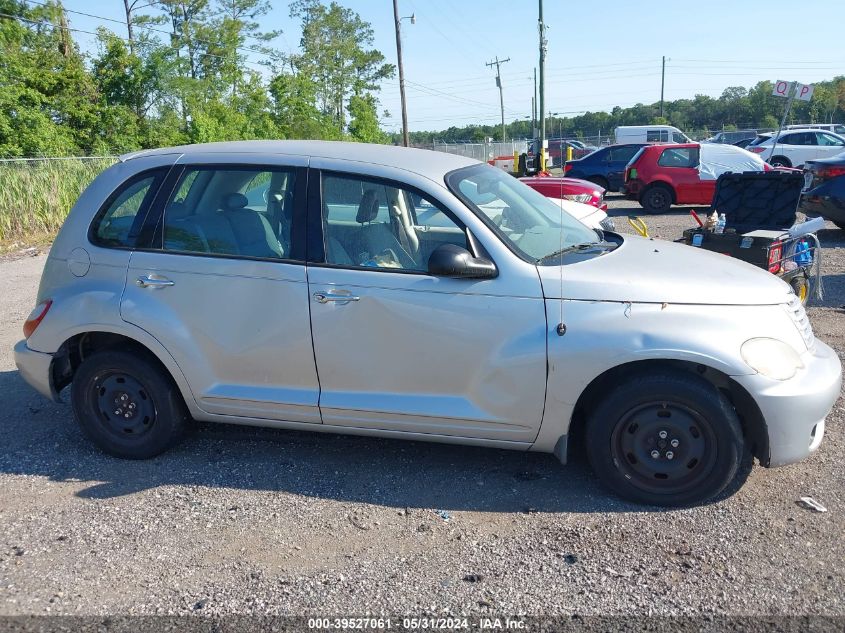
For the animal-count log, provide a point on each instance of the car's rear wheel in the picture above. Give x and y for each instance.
(656, 199)
(126, 405)
(780, 161)
(667, 439)
(601, 182)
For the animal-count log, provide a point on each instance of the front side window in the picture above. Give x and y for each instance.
(380, 224)
(120, 222)
(233, 211)
(531, 224)
(677, 137)
(678, 157)
(828, 139)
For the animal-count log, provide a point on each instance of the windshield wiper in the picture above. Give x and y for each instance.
(584, 247)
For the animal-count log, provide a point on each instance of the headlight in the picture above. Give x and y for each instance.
(771, 358)
(581, 197)
(607, 224)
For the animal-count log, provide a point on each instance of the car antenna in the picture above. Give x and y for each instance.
(561, 326)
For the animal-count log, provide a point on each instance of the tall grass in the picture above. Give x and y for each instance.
(36, 195)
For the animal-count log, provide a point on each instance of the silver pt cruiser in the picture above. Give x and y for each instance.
(405, 293)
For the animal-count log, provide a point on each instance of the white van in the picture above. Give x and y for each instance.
(650, 134)
(836, 128)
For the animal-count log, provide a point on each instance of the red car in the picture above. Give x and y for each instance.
(569, 189)
(659, 176)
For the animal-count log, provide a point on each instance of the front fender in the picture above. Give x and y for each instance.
(602, 335)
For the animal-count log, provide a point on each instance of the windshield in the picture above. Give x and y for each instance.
(532, 225)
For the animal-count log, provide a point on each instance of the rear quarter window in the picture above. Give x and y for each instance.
(119, 221)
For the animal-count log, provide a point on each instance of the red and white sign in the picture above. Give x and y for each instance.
(803, 92)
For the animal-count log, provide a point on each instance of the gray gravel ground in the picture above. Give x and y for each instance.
(252, 521)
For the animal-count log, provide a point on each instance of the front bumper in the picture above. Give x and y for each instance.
(795, 409)
(35, 369)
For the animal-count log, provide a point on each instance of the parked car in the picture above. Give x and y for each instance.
(172, 292)
(556, 150)
(836, 128)
(659, 176)
(824, 189)
(795, 147)
(650, 134)
(732, 137)
(567, 188)
(604, 167)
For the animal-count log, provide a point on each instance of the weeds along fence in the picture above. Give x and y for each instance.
(37, 193)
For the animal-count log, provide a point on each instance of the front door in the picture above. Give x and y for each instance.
(223, 287)
(401, 350)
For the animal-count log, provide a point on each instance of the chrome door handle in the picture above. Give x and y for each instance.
(150, 281)
(324, 297)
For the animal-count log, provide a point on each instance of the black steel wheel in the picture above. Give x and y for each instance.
(780, 161)
(126, 404)
(666, 439)
(656, 199)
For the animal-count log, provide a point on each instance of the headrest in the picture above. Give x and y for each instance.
(233, 201)
(368, 208)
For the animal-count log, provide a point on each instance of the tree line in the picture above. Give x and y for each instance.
(191, 71)
(183, 71)
(736, 108)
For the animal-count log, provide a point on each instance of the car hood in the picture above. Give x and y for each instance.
(655, 271)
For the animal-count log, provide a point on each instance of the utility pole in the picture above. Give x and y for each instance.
(662, 83)
(405, 139)
(497, 64)
(543, 44)
(534, 106)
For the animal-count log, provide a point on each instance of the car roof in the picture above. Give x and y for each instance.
(423, 162)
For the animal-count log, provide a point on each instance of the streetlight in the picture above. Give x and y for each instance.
(413, 18)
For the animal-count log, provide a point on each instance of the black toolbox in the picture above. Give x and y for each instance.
(762, 202)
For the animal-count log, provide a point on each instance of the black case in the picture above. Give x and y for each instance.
(758, 199)
(753, 250)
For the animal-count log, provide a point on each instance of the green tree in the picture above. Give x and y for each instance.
(363, 123)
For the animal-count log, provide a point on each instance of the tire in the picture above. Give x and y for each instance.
(151, 414)
(628, 452)
(656, 199)
(780, 161)
(601, 182)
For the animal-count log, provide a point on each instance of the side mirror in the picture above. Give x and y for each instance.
(448, 260)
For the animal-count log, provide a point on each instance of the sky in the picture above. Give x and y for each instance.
(600, 54)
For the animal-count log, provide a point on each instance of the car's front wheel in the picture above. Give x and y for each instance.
(126, 404)
(667, 439)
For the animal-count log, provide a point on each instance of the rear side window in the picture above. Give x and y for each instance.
(678, 157)
(624, 153)
(233, 211)
(657, 136)
(119, 223)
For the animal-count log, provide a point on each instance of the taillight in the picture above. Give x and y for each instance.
(775, 251)
(830, 172)
(35, 317)
(757, 149)
(567, 168)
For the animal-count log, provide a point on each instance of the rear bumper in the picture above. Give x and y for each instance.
(35, 369)
(795, 409)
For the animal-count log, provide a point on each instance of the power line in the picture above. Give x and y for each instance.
(76, 30)
(149, 28)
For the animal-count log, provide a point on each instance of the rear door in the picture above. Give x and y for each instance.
(617, 159)
(222, 285)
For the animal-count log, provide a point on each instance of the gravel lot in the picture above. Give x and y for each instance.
(252, 521)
